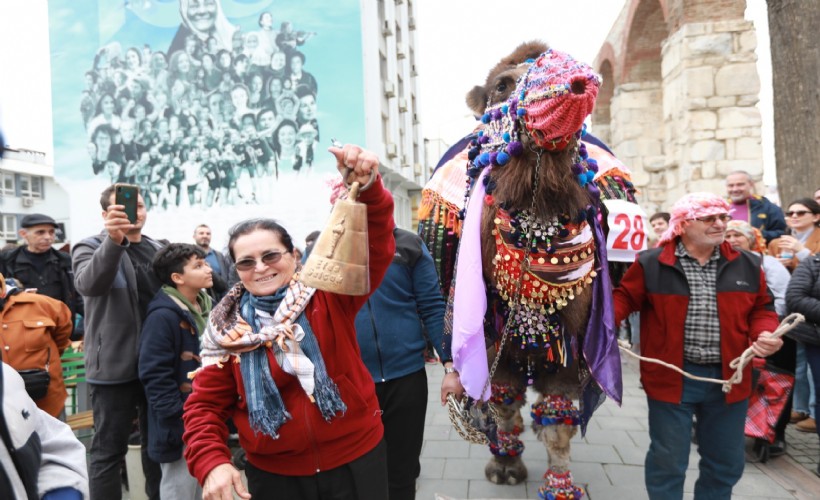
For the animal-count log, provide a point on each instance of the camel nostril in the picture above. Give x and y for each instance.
(578, 86)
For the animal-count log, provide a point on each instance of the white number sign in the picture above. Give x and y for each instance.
(627, 230)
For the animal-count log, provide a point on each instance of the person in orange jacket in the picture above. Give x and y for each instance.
(34, 332)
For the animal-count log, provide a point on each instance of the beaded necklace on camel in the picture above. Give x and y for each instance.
(560, 253)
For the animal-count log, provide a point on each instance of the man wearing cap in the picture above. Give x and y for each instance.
(702, 303)
(39, 266)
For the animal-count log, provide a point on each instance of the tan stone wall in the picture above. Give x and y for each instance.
(636, 135)
(710, 89)
(683, 111)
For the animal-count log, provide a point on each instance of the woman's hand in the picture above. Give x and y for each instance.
(787, 242)
(221, 483)
(361, 161)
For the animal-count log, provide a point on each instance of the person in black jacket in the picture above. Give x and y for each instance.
(391, 330)
(803, 296)
(755, 209)
(169, 352)
(37, 265)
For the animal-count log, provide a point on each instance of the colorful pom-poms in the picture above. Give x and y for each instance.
(493, 157)
(505, 109)
(489, 200)
(521, 112)
(502, 158)
(593, 190)
(485, 118)
(497, 114)
(515, 148)
(506, 137)
(582, 150)
(484, 139)
(582, 178)
(590, 175)
(484, 159)
(592, 165)
(472, 154)
(577, 169)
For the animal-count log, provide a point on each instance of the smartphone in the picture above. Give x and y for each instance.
(127, 196)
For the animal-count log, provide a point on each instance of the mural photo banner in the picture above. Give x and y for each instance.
(207, 105)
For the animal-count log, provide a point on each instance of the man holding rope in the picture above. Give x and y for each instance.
(702, 304)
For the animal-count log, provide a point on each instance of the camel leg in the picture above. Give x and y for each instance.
(506, 466)
(555, 420)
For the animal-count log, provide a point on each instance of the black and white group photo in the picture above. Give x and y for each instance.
(212, 120)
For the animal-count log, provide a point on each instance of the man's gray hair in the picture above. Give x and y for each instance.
(747, 174)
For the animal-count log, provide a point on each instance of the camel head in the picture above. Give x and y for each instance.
(501, 79)
(537, 120)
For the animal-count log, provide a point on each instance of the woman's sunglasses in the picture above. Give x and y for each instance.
(268, 259)
(798, 213)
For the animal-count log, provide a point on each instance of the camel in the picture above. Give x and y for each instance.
(539, 315)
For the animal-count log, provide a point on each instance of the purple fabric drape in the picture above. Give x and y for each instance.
(601, 339)
(470, 302)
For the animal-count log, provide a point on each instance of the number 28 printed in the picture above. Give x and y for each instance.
(630, 233)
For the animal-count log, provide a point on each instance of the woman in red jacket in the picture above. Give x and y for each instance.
(281, 359)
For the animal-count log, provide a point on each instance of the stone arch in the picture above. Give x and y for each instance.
(682, 113)
(646, 33)
(601, 116)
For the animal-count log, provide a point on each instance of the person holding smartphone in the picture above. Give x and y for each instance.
(113, 273)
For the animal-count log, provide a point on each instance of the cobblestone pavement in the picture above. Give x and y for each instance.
(608, 460)
(804, 448)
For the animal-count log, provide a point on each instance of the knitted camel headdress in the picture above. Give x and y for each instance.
(550, 103)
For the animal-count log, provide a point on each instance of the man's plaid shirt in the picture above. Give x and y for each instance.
(701, 342)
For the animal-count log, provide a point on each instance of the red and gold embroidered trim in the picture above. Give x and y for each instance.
(553, 279)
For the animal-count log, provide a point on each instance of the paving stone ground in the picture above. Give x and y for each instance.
(608, 460)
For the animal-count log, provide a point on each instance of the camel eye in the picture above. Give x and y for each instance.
(501, 87)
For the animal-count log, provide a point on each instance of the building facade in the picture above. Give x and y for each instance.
(391, 101)
(27, 186)
(679, 100)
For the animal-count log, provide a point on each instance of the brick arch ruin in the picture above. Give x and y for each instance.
(680, 106)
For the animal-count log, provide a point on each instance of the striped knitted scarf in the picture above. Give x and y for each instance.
(234, 328)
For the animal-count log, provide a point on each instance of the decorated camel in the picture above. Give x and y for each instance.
(522, 259)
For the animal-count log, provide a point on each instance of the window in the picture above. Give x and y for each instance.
(31, 186)
(8, 227)
(7, 184)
